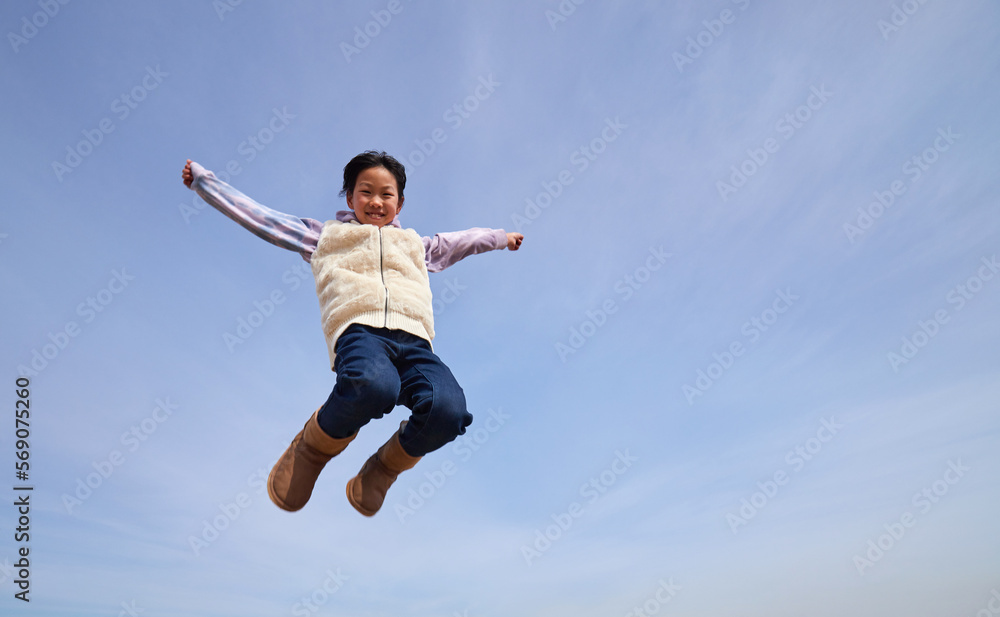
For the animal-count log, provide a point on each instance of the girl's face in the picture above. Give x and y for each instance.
(375, 199)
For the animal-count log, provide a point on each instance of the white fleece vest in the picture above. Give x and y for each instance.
(374, 276)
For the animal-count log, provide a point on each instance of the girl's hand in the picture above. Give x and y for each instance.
(189, 178)
(514, 241)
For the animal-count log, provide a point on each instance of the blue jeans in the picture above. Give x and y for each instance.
(377, 369)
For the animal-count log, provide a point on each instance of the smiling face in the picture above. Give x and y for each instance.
(375, 199)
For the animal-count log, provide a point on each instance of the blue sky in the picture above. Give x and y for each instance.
(744, 363)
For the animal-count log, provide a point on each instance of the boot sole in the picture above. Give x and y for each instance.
(277, 500)
(357, 506)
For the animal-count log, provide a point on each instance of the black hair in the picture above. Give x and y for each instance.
(367, 160)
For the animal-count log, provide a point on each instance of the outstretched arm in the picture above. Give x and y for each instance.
(284, 230)
(447, 249)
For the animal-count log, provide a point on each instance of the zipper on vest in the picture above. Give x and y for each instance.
(381, 269)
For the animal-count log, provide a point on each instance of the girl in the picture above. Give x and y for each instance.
(376, 313)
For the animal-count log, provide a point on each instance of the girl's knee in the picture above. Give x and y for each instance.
(451, 410)
(377, 390)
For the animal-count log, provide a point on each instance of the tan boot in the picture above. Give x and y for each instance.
(291, 481)
(366, 491)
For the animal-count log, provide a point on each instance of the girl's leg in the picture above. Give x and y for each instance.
(439, 415)
(430, 390)
(367, 382)
(292, 479)
(367, 387)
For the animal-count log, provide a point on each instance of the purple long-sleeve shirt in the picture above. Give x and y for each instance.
(302, 234)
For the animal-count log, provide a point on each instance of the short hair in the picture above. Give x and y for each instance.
(367, 160)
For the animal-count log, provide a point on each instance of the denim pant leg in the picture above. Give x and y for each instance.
(367, 385)
(432, 393)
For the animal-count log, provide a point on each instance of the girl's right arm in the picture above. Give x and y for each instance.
(289, 232)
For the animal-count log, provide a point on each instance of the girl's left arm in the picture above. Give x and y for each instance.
(447, 249)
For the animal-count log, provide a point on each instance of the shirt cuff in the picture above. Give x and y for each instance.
(499, 239)
(197, 173)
